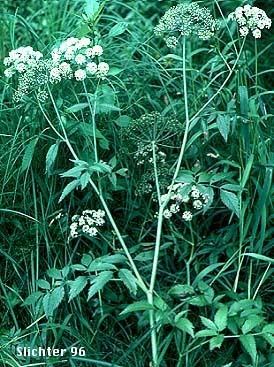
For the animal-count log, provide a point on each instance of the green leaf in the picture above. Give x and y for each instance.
(269, 338)
(74, 172)
(43, 284)
(68, 189)
(208, 323)
(186, 326)
(99, 282)
(118, 29)
(101, 167)
(137, 306)
(181, 290)
(114, 71)
(185, 177)
(99, 265)
(84, 180)
(205, 333)
(51, 157)
(231, 201)
(216, 342)
(52, 300)
(243, 96)
(76, 286)
(32, 298)
(91, 8)
(251, 323)
(268, 329)
(249, 344)
(28, 155)
(104, 99)
(54, 273)
(123, 121)
(220, 318)
(259, 257)
(77, 107)
(247, 171)
(223, 124)
(86, 260)
(206, 271)
(114, 259)
(129, 280)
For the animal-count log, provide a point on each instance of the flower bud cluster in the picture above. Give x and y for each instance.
(144, 154)
(87, 223)
(186, 20)
(191, 200)
(250, 19)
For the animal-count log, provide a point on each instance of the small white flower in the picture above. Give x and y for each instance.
(55, 55)
(73, 226)
(103, 68)
(7, 61)
(84, 42)
(185, 199)
(97, 50)
(38, 55)
(75, 217)
(81, 221)
(244, 31)
(247, 8)
(89, 52)
(74, 234)
(268, 23)
(80, 74)
(197, 204)
(69, 54)
(174, 208)
(20, 67)
(195, 193)
(55, 75)
(239, 12)
(187, 216)
(93, 231)
(167, 214)
(257, 33)
(71, 41)
(91, 67)
(80, 59)
(65, 68)
(85, 228)
(8, 73)
(205, 198)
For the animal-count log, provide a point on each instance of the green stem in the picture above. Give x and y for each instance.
(160, 218)
(156, 172)
(97, 191)
(93, 113)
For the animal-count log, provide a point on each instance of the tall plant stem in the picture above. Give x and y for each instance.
(160, 218)
(65, 139)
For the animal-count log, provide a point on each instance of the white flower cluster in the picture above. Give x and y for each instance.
(87, 223)
(185, 20)
(192, 197)
(20, 59)
(75, 57)
(250, 18)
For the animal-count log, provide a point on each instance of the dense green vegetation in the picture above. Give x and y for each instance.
(136, 203)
